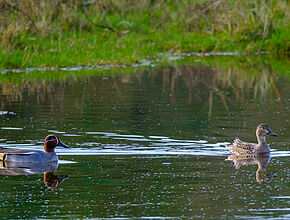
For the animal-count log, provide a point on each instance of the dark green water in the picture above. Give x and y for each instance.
(148, 143)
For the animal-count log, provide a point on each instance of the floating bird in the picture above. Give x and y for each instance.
(244, 148)
(33, 156)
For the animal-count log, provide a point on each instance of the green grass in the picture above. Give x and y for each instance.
(127, 32)
(92, 48)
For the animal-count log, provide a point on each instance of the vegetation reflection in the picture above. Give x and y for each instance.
(202, 83)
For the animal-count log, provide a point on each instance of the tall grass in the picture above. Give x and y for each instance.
(163, 25)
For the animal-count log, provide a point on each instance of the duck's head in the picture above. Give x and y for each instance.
(52, 141)
(264, 130)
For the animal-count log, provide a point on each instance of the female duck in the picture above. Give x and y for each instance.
(244, 148)
(33, 156)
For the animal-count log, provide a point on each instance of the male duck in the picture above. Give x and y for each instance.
(33, 156)
(244, 148)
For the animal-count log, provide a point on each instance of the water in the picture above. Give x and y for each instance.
(147, 143)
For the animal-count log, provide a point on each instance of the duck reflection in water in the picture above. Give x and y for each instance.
(262, 160)
(51, 180)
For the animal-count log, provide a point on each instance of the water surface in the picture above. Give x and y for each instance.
(147, 143)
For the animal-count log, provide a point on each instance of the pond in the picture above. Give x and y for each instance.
(147, 142)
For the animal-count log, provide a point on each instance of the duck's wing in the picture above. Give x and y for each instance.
(16, 151)
(243, 145)
(12, 151)
(241, 148)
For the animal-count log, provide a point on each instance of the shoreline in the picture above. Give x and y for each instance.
(149, 62)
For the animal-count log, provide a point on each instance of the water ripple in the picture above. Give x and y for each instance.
(109, 143)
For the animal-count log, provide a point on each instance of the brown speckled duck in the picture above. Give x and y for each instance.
(244, 148)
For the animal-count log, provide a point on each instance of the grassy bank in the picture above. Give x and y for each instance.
(66, 33)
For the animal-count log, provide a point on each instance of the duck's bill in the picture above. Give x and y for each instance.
(62, 145)
(272, 134)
